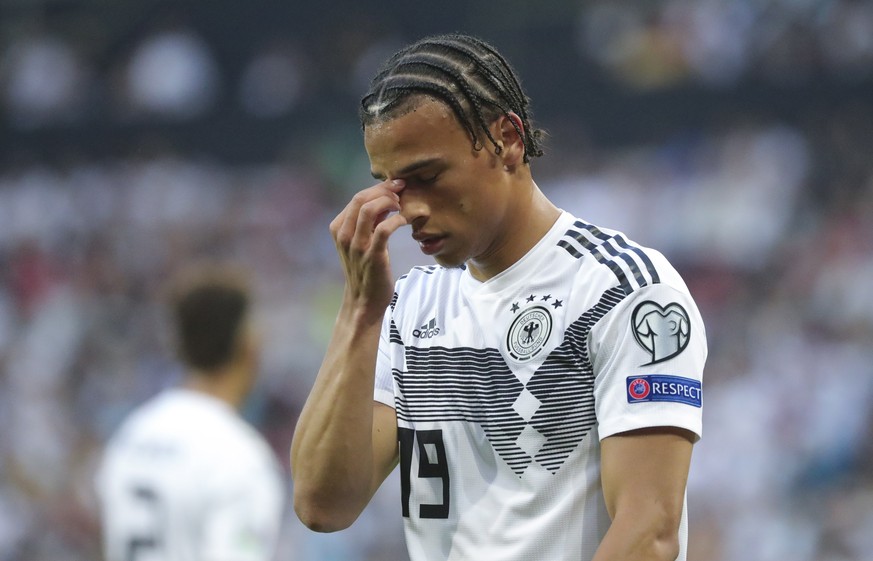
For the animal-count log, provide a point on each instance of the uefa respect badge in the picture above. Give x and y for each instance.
(659, 387)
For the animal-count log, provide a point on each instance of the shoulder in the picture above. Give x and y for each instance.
(231, 436)
(203, 426)
(425, 274)
(622, 262)
(620, 281)
(145, 418)
(233, 450)
(425, 279)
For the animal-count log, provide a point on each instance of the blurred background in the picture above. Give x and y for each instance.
(733, 135)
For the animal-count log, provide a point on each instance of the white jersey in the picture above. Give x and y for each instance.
(504, 389)
(186, 479)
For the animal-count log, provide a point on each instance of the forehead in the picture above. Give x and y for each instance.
(428, 129)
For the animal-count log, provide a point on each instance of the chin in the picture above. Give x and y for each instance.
(448, 262)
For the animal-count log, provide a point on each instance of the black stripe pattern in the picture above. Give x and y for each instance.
(611, 251)
(542, 421)
(394, 333)
(426, 269)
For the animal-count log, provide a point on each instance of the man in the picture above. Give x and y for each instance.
(540, 388)
(185, 478)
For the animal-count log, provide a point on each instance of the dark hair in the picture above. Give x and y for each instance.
(465, 73)
(209, 304)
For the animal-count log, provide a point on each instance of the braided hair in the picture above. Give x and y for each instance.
(465, 73)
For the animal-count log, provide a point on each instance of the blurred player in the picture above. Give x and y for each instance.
(540, 387)
(185, 478)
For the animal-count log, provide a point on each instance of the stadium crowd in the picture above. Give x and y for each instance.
(769, 219)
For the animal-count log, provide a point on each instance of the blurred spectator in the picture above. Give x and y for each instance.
(172, 74)
(273, 82)
(719, 42)
(44, 80)
(847, 38)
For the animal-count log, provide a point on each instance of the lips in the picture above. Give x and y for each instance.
(429, 243)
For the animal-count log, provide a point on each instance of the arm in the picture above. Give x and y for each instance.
(644, 473)
(345, 444)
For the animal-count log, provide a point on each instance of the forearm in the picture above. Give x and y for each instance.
(639, 538)
(332, 450)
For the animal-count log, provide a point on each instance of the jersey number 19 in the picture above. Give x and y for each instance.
(431, 464)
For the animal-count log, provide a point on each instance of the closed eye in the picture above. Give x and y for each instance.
(428, 180)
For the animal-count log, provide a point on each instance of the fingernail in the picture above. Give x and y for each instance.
(399, 183)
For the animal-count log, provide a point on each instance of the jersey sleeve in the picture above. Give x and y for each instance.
(244, 515)
(648, 355)
(383, 391)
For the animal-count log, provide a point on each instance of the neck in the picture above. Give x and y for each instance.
(226, 384)
(537, 213)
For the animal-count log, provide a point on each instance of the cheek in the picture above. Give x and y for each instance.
(471, 208)
(457, 200)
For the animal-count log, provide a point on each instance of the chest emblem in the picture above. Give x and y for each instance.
(529, 333)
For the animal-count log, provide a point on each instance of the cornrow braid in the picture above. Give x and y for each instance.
(517, 98)
(467, 74)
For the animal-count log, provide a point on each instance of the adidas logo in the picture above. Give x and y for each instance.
(427, 330)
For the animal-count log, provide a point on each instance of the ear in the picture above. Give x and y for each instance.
(510, 137)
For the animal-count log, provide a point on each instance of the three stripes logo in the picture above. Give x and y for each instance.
(629, 263)
(427, 330)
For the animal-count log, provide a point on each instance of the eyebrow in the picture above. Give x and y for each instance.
(413, 167)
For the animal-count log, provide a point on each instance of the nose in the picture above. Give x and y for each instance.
(413, 208)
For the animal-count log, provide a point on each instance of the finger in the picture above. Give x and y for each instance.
(369, 217)
(395, 185)
(345, 224)
(384, 231)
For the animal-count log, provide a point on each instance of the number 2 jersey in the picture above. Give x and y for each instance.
(504, 389)
(185, 478)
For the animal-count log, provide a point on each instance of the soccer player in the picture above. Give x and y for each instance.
(540, 386)
(185, 477)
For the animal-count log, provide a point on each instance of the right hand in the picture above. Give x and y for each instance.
(361, 233)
